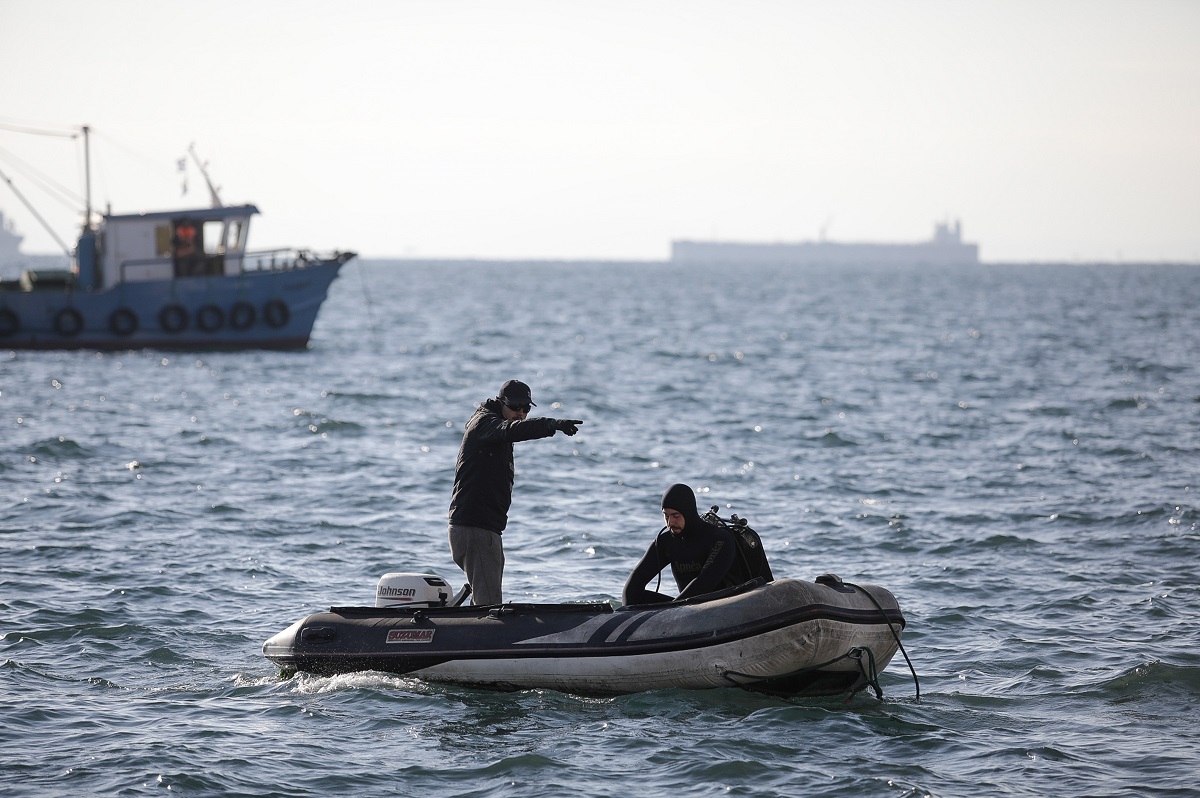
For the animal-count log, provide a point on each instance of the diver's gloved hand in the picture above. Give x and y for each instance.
(568, 425)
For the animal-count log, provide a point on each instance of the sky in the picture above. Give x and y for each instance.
(1055, 130)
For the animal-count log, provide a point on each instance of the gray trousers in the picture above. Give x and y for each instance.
(480, 553)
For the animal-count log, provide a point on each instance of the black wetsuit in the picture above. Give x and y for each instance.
(483, 475)
(701, 557)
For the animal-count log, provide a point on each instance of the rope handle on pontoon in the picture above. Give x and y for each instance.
(870, 674)
(892, 629)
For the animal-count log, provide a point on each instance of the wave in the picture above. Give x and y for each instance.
(834, 440)
(61, 447)
(1155, 679)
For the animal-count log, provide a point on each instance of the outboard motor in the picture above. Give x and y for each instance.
(411, 590)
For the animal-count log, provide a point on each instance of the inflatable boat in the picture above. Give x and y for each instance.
(785, 637)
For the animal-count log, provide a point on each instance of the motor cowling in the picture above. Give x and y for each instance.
(411, 590)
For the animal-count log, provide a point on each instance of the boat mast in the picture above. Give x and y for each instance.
(212, 190)
(87, 180)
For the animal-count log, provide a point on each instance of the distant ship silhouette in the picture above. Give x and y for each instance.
(13, 260)
(945, 249)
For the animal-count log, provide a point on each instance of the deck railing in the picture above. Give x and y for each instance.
(268, 260)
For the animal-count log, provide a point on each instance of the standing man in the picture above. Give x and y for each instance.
(483, 482)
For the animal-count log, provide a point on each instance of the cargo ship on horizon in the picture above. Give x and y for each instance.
(946, 248)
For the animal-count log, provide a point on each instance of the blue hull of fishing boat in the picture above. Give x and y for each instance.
(271, 308)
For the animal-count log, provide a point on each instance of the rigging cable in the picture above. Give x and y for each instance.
(362, 281)
(60, 133)
(29, 206)
(47, 184)
(64, 196)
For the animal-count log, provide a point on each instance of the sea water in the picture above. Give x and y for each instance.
(1012, 450)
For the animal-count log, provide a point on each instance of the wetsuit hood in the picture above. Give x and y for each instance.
(682, 500)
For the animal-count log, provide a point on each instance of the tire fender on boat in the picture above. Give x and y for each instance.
(68, 322)
(123, 322)
(10, 322)
(276, 313)
(242, 316)
(173, 318)
(210, 318)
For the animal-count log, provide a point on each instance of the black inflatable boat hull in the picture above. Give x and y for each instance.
(787, 636)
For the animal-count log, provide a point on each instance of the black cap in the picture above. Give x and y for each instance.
(515, 392)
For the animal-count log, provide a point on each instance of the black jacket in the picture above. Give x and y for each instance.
(701, 557)
(483, 475)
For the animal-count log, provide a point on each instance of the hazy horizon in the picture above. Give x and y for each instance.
(1061, 132)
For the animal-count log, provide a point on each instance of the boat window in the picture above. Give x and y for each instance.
(162, 240)
(186, 249)
(234, 235)
(214, 237)
(192, 257)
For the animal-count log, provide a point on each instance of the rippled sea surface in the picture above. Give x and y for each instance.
(1013, 451)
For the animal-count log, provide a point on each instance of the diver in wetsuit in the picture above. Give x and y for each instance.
(701, 555)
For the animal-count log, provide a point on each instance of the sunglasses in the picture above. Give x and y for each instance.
(517, 408)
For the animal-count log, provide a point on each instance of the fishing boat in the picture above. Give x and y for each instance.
(176, 279)
(785, 637)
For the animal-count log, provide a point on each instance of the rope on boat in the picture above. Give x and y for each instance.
(868, 670)
(896, 635)
(866, 664)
